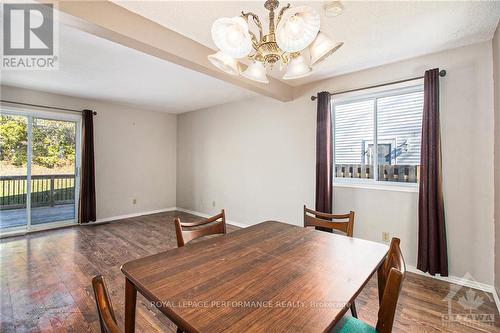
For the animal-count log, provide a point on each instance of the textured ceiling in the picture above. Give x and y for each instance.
(374, 32)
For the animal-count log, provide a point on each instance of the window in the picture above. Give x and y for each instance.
(377, 137)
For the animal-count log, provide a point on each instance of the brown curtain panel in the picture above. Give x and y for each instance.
(87, 175)
(432, 253)
(324, 154)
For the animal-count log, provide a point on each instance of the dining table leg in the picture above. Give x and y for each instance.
(130, 303)
(380, 282)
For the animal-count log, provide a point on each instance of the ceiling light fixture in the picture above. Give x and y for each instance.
(296, 29)
(333, 9)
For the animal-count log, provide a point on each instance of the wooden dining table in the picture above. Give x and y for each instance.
(270, 277)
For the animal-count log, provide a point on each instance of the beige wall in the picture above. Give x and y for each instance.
(135, 153)
(256, 159)
(496, 78)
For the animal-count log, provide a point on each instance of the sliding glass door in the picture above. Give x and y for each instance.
(53, 171)
(39, 156)
(13, 172)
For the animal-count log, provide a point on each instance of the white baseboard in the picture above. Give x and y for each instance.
(456, 280)
(127, 216)
(463, 282)
(120, 217)
(237, 224)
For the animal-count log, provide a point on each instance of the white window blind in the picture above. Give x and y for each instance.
(379, 137)
(399, 120)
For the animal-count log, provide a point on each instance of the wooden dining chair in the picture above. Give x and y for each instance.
(107, 319)
(339, 222)
(390, 280)
(105, 310)
(187, 231)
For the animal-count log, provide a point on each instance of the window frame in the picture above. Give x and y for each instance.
(374, 95)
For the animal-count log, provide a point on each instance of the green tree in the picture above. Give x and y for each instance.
(53, 141)
(13, 139)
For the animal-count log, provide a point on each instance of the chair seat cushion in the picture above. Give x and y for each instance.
(350, 324)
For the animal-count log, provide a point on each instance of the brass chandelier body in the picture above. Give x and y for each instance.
(266, 49)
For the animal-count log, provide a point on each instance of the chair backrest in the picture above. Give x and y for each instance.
(105, 310)
(205, 227)
(390, 280)
(329, 221)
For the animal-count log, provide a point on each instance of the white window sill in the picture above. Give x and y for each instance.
(375, 185)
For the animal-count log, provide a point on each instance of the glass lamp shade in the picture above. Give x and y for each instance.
(256, 72)
(297, 29)
(297, 68)
(231, 36)
(224, 63)
(322, 47)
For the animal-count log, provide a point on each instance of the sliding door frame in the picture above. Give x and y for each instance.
(48, 115)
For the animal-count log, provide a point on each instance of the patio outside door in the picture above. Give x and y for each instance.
(39, 159)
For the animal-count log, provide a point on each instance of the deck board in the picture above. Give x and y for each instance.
(17, 217)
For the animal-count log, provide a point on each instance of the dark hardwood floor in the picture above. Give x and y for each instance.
(45, 281)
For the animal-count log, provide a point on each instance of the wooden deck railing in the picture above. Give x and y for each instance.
(393, 173)
(46, 190)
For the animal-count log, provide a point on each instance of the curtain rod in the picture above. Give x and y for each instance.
(45, 106)
(442, 73)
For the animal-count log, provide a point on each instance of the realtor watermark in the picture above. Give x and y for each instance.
(30, 37)
(465, 306)
(249, 304)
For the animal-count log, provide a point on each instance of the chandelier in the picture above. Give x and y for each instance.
(296, 29)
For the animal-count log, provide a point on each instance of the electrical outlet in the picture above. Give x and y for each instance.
(134, 201)
(385, 236)
(213, 203)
